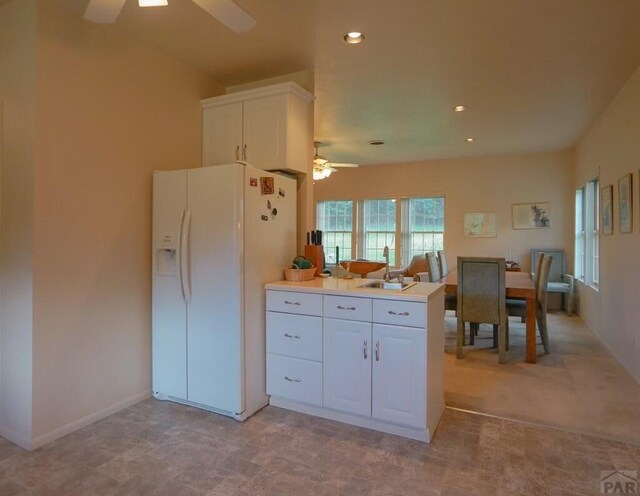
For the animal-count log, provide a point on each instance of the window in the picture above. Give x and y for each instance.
(423, 226)
(335, 220)
(579, 264)
(587, 233)
(408, 226)
(379, 229)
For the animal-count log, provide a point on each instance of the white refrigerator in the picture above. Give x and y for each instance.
(219, 234)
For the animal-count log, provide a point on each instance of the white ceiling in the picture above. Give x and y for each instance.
(533, 74)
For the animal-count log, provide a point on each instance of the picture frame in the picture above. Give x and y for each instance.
(481, 225)
(531, 215)
(625, 204)
(606, 209)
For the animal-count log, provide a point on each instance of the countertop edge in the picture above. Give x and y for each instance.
(427, 290)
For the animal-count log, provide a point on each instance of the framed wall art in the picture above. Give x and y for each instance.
(606, 209)
(531, 216)
(481, 225)
(625, 204)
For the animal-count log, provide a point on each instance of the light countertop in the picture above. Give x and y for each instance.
(422, 291)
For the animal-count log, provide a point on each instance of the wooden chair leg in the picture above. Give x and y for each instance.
(460, 340)
(523, 319)
(472, 333)
(544, 335)
(495, 335)
(502, 344)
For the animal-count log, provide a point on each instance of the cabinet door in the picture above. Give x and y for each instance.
(222, 134)
(399, 375)
(347, 366)
(265, 132)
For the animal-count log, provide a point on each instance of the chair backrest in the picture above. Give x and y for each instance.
(542, 280)
(558, 265)
(536, 274)
(444, 268)
(434, 268)
(418, 264)
(481, 290)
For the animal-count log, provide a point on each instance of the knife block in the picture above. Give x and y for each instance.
(315, 253)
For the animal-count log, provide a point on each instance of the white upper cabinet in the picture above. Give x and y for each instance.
(268, 127)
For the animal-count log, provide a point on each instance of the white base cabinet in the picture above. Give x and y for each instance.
(371, 371)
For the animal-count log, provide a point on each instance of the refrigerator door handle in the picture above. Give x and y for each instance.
(185, 257)
(179, 250)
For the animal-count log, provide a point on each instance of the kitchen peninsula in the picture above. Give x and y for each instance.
(364, 356)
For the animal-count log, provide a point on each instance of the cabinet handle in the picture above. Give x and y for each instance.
(403, 314)
(291, 380)
(286, 335)
(340, 307)
(377, 351)
(244, 152)
(237, 153)
(287, 302)
(364, 348)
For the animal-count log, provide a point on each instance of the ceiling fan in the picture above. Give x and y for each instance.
(322, 168)
(225, 11)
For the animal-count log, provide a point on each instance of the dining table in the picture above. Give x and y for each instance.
(518, 285)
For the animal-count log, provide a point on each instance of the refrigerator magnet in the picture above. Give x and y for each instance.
(266, 185)
(264, 218)
(269, 204)
(253, 182)
(281, 192)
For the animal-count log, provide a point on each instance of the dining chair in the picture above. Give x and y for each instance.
(434, 267)
(559, 281)
(519, 307)
(442, 259)
(481, 299)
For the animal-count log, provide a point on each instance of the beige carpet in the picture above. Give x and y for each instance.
(578, 387)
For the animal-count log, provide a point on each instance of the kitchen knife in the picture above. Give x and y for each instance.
(313, 238)
(319, 237)
(308, 238)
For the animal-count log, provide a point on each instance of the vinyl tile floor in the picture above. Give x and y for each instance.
(161, 448)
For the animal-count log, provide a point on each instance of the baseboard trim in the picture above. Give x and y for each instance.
(88, 419)
(15, 438)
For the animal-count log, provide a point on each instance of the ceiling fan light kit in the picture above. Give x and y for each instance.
(322, 168)
(225, 11)
(152, 3)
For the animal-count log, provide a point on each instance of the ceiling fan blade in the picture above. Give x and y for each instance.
(337, 164)
(103, 11)
(228, 13)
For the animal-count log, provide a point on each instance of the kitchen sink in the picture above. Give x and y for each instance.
(389, 285)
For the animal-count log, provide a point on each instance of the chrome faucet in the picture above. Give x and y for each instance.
(385, 254)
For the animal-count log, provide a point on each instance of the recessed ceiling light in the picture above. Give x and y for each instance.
(459, 108)
(470, 140)
(152, 3)
(353, 37)
(376, 142)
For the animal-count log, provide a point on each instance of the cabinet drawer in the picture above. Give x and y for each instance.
(294, 379)
(403, 313)
(297, 336)
(347, 308)
(292, 302)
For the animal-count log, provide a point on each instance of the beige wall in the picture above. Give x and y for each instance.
(610, 150)
(484, 184)
(110, 111)
(17, 132)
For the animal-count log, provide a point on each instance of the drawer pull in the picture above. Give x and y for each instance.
(291, 380)
(364, 348)
(287, 335)
(340, 307)
(377, 351)
(287, 302)
(403, 314)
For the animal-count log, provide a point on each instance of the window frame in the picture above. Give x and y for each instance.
(587, 241)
